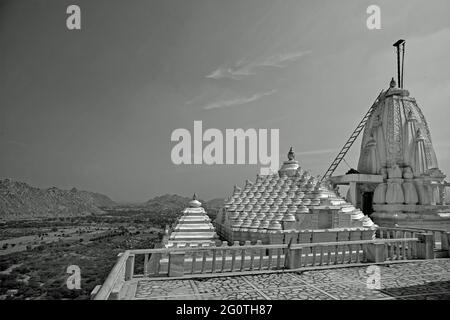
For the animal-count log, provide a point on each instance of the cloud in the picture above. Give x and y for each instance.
(229, 73)
(238, 101)
(282, 60)
(245, 67)
(16, 143)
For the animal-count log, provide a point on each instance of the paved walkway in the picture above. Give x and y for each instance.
(414, 280)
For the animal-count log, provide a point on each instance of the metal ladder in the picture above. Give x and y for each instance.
(350, 141)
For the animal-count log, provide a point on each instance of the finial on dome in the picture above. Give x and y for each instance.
(291, 154)
(393, 84)
(194, 203)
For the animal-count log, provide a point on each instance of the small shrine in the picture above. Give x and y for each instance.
(193, 228)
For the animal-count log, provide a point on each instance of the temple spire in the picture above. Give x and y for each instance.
(291, 154)
(400, 45)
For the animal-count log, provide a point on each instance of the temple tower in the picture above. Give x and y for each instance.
(397, 146)
(397, 133)
(398, 181)
(193, 228)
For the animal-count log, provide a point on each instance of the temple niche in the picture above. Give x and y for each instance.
(397, 146)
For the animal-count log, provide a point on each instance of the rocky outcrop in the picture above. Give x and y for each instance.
(19, 200)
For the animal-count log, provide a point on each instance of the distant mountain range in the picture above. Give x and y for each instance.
(19, 200)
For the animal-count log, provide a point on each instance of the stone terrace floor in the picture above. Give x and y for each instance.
(413, 280)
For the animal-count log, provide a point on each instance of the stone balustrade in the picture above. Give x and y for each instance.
(265, 258)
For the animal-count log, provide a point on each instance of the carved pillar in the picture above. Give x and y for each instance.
(442, 194)
(353, 193)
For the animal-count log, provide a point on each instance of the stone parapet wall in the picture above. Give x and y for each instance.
(296, 236)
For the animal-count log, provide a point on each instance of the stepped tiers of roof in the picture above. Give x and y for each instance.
(289, 200)
(193, 228)
(397, 145)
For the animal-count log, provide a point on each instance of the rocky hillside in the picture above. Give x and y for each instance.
(19, 200)
(174, 204)
(99, 200)
(168, 202)
(215, 203)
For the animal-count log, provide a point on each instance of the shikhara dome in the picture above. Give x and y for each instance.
(397, 133)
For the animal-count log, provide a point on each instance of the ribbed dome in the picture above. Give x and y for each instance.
(396, 133)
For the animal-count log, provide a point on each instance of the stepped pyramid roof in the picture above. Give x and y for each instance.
(193, 227)
(263, 205)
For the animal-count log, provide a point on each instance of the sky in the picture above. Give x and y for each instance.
(95, 108)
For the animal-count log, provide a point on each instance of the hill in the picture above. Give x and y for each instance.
(215, 203)
(167, 202)
(19, 200)
(173, 203)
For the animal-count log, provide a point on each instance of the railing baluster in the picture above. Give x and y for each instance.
(364, 250)
(213, 262)
(321, 255)
(411, 250)
(194, 260)
(146, 265)
(404, 250)
(158, 263)
(350, 249)
(415, 250)
(388, 251)
(203, 261)
(358, 246)
(313, 256)
(300, 253)
(435, 239)
(233, 259)
(336, 253)
(441, 238)
(328, 255)
(278, 258)
(224, 261)
(343, 254)
(252, 258)
(261, 258)
(269, 264)
(242, 259)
